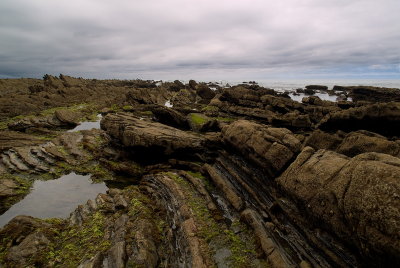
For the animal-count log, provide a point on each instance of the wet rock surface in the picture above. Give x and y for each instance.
(201, 175)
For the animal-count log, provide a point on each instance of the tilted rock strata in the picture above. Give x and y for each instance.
(270, 148)
(353, 143)
(373, 94)
(382, 118)
(363, 141)
(358, 198)
(326, 209)
(10, 139)
(132, 131)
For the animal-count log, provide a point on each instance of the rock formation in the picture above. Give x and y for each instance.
(239, 176)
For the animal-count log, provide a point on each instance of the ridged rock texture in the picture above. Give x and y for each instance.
(203, 174)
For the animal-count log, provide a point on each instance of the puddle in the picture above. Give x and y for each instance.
(55, 198)
(87, 125)
(168, 104)
(322, 96)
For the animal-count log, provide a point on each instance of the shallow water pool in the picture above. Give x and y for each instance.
(87, 125)
(55, 198)
(322, 96)
(168, 104)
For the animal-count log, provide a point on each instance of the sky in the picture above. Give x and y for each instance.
(201, 39)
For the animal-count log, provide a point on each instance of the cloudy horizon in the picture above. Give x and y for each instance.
(168, 39)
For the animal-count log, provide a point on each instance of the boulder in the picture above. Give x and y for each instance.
(9, 188)
(68, 117)
(178, 85)
(256, 113)
(280, 104)
(322, 140)
(315, 100)
(60, 119)
(29, 247)
(185, 99)
(363, 141)
(374, 94)
(355, 198)
(292, 120)
(338, 88)
(132, 131)
(197, 121)
(270, 148)
(158, 95)
(192, 84)
(382, 118)
(20, 227)
(316, 87)
(170, 117)
(309, 91)
(244, 96)
(205, 92)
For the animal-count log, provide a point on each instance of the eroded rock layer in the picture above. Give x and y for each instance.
(202, 175)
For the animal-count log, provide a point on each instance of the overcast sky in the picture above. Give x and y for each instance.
(201, 39)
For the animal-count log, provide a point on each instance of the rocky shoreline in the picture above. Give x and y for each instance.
(203, 176)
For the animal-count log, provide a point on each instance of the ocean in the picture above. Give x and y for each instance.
(289, 85)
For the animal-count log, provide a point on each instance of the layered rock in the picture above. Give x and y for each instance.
(292, 120)
(101, 227)
(149, 96)
(353, 143)
(10, 139)
(132, 131)
(204, 92)
(373, 94)
(383, 118)
(363, 141)
(39, 158)
(270, 148)
(170, 117)
(60, 118)
(356, 198)
(322, 140)
(209, 190)
(250, 190)
(316, 87)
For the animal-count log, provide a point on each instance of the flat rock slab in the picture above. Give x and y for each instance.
(10, 139)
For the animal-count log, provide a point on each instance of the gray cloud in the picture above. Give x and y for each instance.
(181, 39)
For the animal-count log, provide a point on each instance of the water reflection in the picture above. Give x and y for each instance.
(55, 198)
(168, 104)
(323, 96)
(87, 125)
